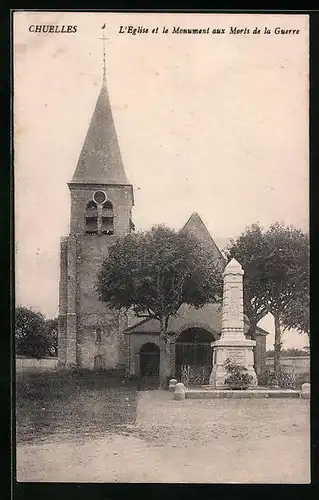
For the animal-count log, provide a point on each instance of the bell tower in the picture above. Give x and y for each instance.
(90, 334)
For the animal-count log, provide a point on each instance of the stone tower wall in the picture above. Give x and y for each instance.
(119, 195)
(81, 312)
(63, 301)
(93, 313)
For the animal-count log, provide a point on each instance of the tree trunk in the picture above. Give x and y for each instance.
(278, 343)
(165, 365)
(252, 333)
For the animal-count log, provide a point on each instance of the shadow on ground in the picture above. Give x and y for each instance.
(74, 404)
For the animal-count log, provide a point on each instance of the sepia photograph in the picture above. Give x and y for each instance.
(161, 212)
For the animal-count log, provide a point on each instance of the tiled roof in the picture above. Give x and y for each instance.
(208, 317)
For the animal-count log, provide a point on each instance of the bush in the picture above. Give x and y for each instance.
(283, 380)
(185, 375)
(237, 377)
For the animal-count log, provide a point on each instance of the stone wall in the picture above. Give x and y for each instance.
(301, 364)
(28, 365)
(63, 300)
(92, 313)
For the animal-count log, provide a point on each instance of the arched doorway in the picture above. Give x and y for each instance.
(193, 349)
(149, 365)
(98, 363)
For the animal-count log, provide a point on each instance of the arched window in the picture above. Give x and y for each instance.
(108, 205)
(91, 218)
(107, 218)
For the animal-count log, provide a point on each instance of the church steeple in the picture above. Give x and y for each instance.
(101, 197)
(100, 160)
(101, 210)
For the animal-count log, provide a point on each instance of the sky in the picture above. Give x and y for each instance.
(212, 123)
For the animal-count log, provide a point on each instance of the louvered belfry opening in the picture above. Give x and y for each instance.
(91, 215)
(107, 218)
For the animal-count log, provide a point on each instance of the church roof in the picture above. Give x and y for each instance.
(208, 317)
(196, 227)
(100, 160)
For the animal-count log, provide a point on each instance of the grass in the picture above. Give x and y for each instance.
(72, 404)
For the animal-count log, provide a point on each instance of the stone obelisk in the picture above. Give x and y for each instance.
(232, 343)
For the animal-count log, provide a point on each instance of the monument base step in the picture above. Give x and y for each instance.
(208, 393)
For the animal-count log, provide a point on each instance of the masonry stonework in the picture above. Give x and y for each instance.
(232, 344)
(90, 334)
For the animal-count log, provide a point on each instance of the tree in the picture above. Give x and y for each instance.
(154, 273)
(247, 250)
(285, 275)
(35, 335)
(296, 316)
(29, 332)
(276, 274)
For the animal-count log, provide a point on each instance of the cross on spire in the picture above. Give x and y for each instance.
(104, 51)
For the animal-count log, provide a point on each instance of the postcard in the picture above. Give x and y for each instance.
(161, 165)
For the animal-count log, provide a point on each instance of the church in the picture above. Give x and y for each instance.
(91, 336)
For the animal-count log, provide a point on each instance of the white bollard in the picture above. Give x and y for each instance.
(179, 393)
(305, 391)
(172, 384)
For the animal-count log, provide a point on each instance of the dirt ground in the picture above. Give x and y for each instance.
(201, 441)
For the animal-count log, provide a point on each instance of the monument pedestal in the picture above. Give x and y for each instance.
(232, 344)
(239, 351)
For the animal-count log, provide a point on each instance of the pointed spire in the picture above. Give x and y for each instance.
(104, 54)
(100, 160)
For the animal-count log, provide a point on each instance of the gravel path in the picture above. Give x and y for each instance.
(203, 441)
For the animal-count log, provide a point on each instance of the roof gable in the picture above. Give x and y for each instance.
(196, 227)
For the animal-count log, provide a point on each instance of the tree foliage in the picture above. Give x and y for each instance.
(296, 316)
(34, 335)
(285, 268)
(157, 271)
(276, 276)
(248, 251)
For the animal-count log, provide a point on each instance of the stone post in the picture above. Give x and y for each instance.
(232, 343)
(99, 217)
(305, 391)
